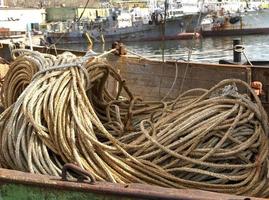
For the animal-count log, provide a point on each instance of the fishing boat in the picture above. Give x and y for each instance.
(146, 78)
(244, 21)
(136, 24)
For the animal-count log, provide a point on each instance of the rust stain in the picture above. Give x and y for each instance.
(130, 190)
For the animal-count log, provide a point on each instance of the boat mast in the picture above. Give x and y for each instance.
(152, 4)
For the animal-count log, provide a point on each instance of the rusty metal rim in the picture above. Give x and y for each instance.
(134, 59)
(127, 190)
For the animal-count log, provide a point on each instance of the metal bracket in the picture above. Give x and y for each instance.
(81, 173)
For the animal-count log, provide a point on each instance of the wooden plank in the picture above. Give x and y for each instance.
(153, 80)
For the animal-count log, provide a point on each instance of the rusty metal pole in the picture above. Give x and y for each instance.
(236, 54)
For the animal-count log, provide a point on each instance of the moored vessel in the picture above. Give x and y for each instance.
(238, 23)
(176, 21)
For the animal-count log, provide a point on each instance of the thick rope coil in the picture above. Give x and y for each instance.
(214, 139)
(4, 67)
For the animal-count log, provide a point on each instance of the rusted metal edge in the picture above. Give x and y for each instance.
(144, 61)
(127, 190)
(59, 50)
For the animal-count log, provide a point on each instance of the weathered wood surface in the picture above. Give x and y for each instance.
(152, 80)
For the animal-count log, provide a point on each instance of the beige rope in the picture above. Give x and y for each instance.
(213, 139)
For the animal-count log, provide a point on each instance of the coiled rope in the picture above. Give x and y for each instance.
(4, 67)
(60, 109)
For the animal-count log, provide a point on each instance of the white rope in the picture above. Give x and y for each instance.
(137, 54)
(173, 85)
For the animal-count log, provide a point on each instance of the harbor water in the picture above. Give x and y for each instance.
(210, 49)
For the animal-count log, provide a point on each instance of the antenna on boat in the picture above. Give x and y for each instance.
(2, 3)
(163, 28)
